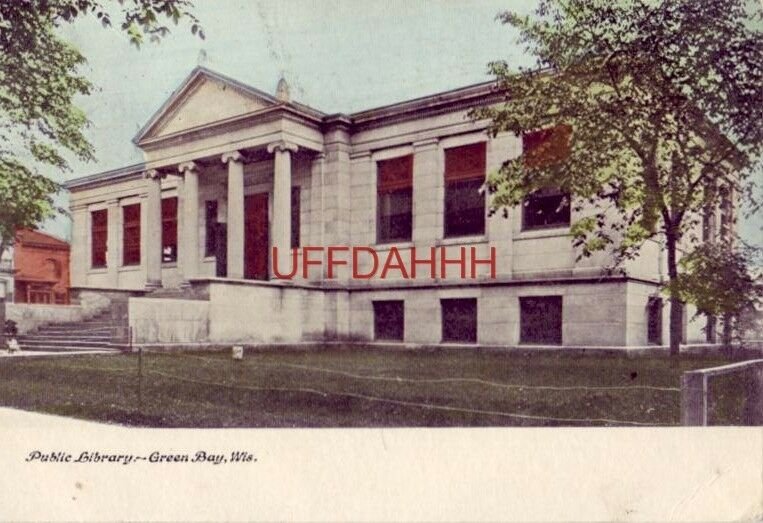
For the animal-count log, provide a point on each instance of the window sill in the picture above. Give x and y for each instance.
(407, 244)
(547, 232)
(169, 265)
(129, 268)
(461, 240)
(98, 270)
(210, 258)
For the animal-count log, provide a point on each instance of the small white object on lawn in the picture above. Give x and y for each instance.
(13, 345)
(238, 352)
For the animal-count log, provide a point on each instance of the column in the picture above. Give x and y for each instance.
(80, 250)
(235, 240)
(281, 230)
(153, 234)
(188, 242)
(428, 195)
(113, 248)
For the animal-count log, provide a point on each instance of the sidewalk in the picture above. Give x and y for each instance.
(29, 354)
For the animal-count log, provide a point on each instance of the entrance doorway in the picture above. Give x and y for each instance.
(256, 237)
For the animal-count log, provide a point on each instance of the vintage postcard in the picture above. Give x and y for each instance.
(338, 260)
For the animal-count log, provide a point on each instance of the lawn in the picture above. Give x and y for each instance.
(351, 387)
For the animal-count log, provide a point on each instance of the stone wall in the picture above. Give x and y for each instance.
(593, 314)
(29, 317)
(164, 320)
(254, 312)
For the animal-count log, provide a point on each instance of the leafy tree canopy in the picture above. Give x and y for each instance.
(718, 281)
(40, 75)
(657, 106)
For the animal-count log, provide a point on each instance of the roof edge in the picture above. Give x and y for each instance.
(103, 176)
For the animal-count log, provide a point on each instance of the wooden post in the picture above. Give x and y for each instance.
(693, 399)
(753, 407)
(2, 322)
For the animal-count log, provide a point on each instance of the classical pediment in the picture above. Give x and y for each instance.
(205, 97)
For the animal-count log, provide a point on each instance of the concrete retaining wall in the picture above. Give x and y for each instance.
(164, 320)
(28, 317)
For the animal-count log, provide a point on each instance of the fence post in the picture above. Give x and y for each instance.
(753, 408)
(693, 399)
(2, 322)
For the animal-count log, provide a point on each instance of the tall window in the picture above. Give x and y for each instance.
(210, 228)
(98, 237)
(169, 229)
(131, 234)
(546, 209)
(540, 320)
(295, 214)
(464, 203)
(654, 321)
(394, 199)
(541, 149)
(459, 320)
(389, 320)
(546, 147)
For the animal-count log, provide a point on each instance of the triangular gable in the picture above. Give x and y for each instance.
(204, 97)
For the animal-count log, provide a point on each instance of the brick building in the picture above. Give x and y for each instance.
(41, 268)
(184, 240)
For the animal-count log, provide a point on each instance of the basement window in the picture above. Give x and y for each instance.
(540, 320)
(389, 320)
(459, 320)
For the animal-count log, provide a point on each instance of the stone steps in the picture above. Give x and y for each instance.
(92, 334)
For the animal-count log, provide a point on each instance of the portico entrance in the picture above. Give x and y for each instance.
(256, 236)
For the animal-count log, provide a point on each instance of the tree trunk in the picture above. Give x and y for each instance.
(676, 307)
(728, 329)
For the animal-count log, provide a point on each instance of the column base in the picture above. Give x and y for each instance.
(152, 285)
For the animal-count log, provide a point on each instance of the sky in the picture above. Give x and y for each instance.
(337, 55)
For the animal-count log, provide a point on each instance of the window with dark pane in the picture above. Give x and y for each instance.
(210, 228)
(389, 320)
(169, 229)
(545, 209)
(654, 321)
(459, 320)
(394, 199)
(540, 320)
(98, 238)
(295, 217)
(131, 234)
(464, 203)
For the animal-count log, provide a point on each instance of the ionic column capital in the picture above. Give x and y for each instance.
(232, 156)
(154, 174)
(282, 146)
(187, 166)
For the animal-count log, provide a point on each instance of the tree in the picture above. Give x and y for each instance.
(717, 280)
(657, 107)
(39, 78)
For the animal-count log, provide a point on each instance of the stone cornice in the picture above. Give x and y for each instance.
(265, 115)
